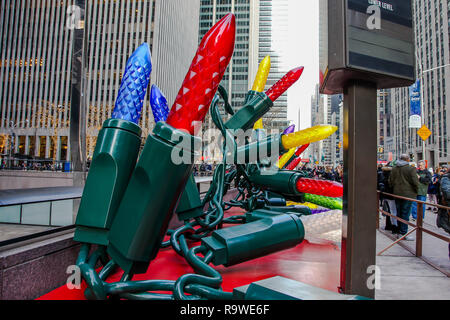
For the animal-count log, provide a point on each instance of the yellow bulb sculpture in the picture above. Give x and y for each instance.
(260, 83)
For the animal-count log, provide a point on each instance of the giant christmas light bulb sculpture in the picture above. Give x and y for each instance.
(134, 85)
(308, 136)
(260, 83)
(294, 163)
(204, 76)
(290, 129)
(285, 158)
(284, 83)
(302, 149)
(326, 202)
(257, 104)
(296, 159)
(190, 205)
(147, 206)
(158, 102)
(115, 154)
(320, 187)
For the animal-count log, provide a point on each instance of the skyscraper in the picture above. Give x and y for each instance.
(261, 30)
(245, 59)
(273, 42)
(35, 72)
(431, 25)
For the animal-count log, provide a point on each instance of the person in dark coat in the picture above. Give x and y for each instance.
(388, 202)
(424, 181)
(405, 183)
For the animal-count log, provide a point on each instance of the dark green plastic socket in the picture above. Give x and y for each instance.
(260, 151)
(256, 105)
(282, 182)
(114, 159)
(234, 245)
(151, 198)
(190, 203)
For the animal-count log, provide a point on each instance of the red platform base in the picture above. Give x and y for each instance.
(313, 264)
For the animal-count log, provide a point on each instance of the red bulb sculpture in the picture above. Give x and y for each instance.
(320, 187)
(302, 149)
(294, 163)
(284, 83)
(203, 78)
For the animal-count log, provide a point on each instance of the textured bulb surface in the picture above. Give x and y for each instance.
(159, 105)
(302, 149)
(307, 136)
(260, 83)
(320, 187)
(290, 129)
(306, 204)
(263, 73)
(326, 202)
(133, 87)
(294, 163)
(285, 158)
(318, 211)
(203, 78)
(284, 83)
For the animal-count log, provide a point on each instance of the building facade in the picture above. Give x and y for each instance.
(432, 24)
(244, 63)
(35, 72)
(261, 30)
(273, 42)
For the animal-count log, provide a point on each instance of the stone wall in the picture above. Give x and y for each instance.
(16, 179)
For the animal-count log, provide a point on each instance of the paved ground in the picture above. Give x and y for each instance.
(405, 277)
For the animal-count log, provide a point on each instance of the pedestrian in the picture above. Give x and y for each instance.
(388, 202)
(424, 181)
(433, 190)
(404, 182)
(443, 217)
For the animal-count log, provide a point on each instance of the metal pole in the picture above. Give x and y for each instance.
(422, 106)
(77, 102)
(360, 188)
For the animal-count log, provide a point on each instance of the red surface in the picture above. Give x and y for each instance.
(202, 80)
(320, 187)
(300, 150)
(294, 164)
(313, 264)
(284, 83)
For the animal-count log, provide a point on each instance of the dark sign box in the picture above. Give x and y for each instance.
(352, 47)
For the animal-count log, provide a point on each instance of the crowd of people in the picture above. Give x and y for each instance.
(402, 179)
(31, 165)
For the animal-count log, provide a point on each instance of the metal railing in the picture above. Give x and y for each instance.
(418, 227)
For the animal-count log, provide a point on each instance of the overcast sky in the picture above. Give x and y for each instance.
(303, 51)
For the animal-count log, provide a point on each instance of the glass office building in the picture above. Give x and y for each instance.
(431, 22)
(36, 41)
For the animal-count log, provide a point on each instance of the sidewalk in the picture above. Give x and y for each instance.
(406, 277)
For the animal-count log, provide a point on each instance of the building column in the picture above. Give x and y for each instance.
(37, 146)
(47, 147)
(58, 148)
(27, 145)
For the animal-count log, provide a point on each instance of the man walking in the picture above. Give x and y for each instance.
(405, 183)
(424, 181)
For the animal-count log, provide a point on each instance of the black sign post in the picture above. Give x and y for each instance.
(77, 101)
(366, 45)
